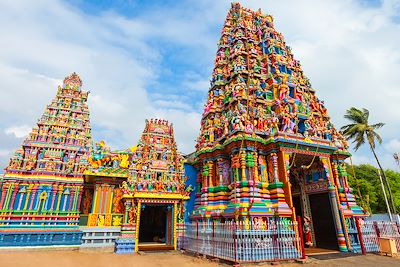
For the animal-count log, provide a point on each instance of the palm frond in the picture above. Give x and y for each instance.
(377, 137)
(377, 125)
(359, 140)
(366, 114)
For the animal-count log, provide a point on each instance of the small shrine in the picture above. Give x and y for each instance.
(141, 189)
(42, 185)
(101, 202)
(267, 151)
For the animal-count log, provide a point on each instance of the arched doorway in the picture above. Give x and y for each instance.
(311, 201)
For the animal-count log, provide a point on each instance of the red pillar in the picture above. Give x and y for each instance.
(78, 205)
(34, 190)
(3, 195)
(71, 199)
(360, 236)
(16, 187)
(300, 225)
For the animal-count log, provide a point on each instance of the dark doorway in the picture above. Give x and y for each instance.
(153, 222)
(297, 206)
(323, 222)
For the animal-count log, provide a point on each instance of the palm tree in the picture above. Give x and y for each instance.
(361, 132)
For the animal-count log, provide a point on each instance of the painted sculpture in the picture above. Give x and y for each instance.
(42, 186)
(266, 144)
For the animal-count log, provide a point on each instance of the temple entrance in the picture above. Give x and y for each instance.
(155, 227)
(311, 201)
(323, 221)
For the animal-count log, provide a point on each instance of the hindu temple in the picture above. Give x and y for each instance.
(267, 151)
(267, 160)
(42, 187)
(141, 190)
(58, 189)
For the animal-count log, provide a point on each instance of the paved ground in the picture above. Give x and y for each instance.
(161, 259)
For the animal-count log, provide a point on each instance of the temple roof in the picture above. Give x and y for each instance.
(258, 88)
(59, 144)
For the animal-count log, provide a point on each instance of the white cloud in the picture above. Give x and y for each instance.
(18, 131)
(5, 153)
(393, 146)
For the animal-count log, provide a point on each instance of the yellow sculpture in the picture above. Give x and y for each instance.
(124, 161)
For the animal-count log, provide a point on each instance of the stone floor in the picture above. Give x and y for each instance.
(160, 259)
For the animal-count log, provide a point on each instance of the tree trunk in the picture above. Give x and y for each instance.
(386, 181)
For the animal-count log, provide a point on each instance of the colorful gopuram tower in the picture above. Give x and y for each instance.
(267, 148)
(155, 193)
(140, 190)
(42, 185)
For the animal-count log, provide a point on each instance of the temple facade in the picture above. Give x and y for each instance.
(267, 148)
(58, 189)
(140, 190)
(267, 158)
(43, 184)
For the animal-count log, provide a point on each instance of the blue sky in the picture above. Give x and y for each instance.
(143, 59)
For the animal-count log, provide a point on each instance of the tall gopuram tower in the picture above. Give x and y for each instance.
(42, 186)
(267, 149)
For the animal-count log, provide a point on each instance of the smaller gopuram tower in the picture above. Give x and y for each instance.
(267, 151)
(154, 194)
(42, 187)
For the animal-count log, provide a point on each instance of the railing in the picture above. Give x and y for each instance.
(369, 237)
(240, 242)
(389, 230)
(371, 232)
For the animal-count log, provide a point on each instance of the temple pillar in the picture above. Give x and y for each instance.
(66, 194)
(21, 197)
(204, 176)
(277, 193)
(219, 171)
(16, 187)
(8, 196)
(59, 193)
(336, 175)
(174, 223)
(255, 168)
(78, 204)
(96, 199)
(53, 198)
(210, 165)
(28, 194)
(341, 230)
(242, 154)
(306, 207)
(262, 164)
(71, 198)
(34, 191)
(274, 159)
(235, 165)
(128, 207)
(3, 195)
(138, 212)
(283, 166)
